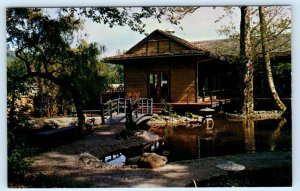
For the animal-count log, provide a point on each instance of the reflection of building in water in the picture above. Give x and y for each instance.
(248, 126)
(183, 147)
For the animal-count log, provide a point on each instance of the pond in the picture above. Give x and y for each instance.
(225, 138)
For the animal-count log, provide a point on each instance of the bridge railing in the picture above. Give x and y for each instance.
(121, 105)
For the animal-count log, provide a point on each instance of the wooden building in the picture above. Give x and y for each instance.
(164, 66)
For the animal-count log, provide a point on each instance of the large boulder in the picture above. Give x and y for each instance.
(152, 160)
(90, 160)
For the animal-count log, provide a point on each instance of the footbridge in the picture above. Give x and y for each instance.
(117, 110)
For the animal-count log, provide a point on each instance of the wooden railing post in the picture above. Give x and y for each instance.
(110, 109)
(151, 107)
(118, 105)
(147, 106)
(142, 107)
(137, 108)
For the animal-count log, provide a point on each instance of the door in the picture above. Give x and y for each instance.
(158, 86)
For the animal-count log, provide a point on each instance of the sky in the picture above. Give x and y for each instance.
(200, 25)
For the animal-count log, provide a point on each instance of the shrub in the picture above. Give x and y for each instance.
(167, 108)
(18, 165)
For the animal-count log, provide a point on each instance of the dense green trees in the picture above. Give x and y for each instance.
(44, 46)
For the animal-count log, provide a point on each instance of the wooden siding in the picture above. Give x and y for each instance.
(174, 46)
(164, 45)
(157, 44)
(135, 81)
(152, 46)
(142, 49)
(183, 83)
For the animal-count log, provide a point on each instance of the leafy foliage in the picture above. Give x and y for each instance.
(130, 16)
(167, 108)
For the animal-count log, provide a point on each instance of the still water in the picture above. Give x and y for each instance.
(225, 138)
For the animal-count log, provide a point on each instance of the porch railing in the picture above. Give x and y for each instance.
(221, 95)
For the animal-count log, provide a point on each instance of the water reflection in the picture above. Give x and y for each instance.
(227, 137)
(248, 126)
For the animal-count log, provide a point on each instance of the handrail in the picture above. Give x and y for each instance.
(218, 93)
(120, 105)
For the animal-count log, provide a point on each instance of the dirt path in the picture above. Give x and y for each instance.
(63, 162)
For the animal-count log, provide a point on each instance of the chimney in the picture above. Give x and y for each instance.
(170, 31)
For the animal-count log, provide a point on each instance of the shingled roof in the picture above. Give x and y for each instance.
(280, 46)
(221, 48)
(191, 49)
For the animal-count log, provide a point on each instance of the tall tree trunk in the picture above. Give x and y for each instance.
(246, 60)
(266, 56)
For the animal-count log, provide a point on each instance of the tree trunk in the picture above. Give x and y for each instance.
(246, 60)
(266, 56)
(77, 103)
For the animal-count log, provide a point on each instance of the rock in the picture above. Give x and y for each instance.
(147, 136)
(152, 160)
(231, 166)
(88, 159)
(155, 116)
(40, 124)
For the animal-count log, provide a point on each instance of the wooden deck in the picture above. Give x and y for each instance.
(200, 104)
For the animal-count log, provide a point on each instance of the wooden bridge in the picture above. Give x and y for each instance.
(115, 111)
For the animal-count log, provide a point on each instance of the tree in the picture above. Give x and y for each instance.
(277, 23)
(246, 60)
(42, 43)
(266, 56)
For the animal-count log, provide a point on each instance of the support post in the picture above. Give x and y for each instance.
(151, 107)
(147, 106)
